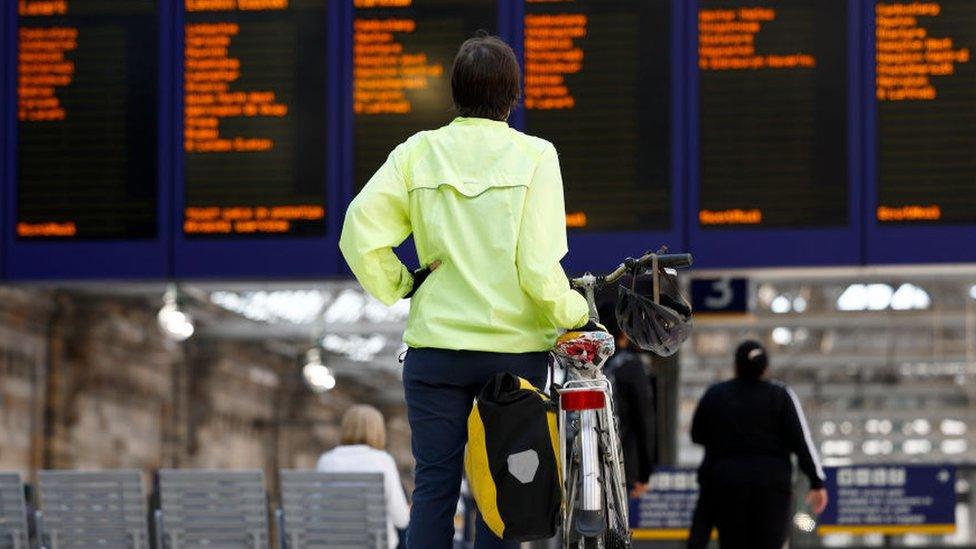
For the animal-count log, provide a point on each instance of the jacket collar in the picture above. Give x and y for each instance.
(471, 121)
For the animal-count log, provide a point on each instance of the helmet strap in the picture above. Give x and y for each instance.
(655, 279)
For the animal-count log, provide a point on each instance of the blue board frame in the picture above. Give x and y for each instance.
(757, 247)
(347, 121)
(290, 257)
(6, 112)
(899, 243)
(602, 251)
(108, 259)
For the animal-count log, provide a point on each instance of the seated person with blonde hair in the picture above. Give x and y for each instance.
(362, 451)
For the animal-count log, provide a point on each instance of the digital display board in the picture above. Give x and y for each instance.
(258, 116)
(925, 93)
(773, 114)
(775, 144)
(87, 118)
(402, 52)
(255, 120)
(598, 86)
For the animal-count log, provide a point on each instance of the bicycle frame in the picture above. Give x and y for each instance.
(597, 479)
(597, 447)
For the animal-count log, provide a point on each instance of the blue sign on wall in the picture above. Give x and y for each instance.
(666, 509)
(890, 499)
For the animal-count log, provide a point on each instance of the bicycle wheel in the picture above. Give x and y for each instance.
(616, 540)
(616, 498)
(592, 543)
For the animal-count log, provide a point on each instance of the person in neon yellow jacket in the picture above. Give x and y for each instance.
(484, 204)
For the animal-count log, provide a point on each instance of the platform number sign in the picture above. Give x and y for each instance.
(720, 295)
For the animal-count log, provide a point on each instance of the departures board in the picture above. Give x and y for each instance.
(921, 131)
(254, 118)
(775, 146)
(225, 138)
(402, 54)
(87, 118)
(773, 113)
(257, 187)
(926, 101)
(87, 162)
(598, 84)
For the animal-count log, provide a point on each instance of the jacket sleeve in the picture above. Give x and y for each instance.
(701, 419)
(637, 388)
(799, 440)
(542, 243)
(377, 220)
(396, 501)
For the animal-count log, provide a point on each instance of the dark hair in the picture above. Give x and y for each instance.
(751, 360)
(485, 80)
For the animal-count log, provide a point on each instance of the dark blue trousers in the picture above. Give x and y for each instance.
(440, 387)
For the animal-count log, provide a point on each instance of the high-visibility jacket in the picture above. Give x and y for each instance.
(487, 202)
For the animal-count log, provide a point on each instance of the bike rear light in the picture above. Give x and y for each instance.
(575, 401)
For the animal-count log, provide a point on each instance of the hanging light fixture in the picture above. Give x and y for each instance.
(317, 375)
(176, 324)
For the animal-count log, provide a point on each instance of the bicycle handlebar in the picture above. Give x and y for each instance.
(673, 261)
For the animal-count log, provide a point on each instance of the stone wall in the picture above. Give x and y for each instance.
(88, 382)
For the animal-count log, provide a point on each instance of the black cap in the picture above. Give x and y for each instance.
(751, 360)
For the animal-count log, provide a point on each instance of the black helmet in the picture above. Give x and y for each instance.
(658, 323)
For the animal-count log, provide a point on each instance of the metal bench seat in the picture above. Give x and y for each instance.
(13, 512)
(212, 509)
(332, 510)
(93, 510)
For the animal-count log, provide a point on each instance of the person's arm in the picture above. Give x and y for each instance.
(377, 221)
(396, 501)
(648, 425)
(699, 422)
(800, 442)
(542, 243)
(642, 415)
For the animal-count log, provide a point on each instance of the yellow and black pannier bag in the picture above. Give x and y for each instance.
(512, 459)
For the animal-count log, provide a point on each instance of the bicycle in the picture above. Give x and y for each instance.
(595, 505)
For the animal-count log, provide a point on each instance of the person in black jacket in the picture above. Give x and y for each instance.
(634, 406)
(749, 427)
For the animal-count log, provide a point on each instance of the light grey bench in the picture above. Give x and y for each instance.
(92, 509)
(332, 510)
(212, 509)
(13, 512)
